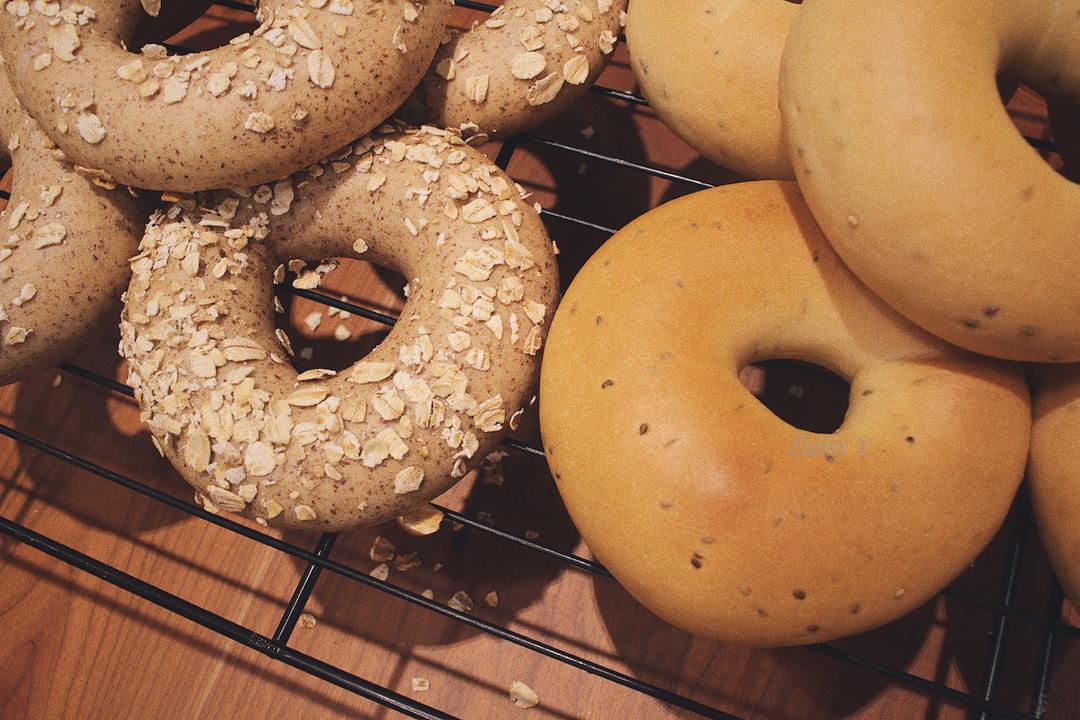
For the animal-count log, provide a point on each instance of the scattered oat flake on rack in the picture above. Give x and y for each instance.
(424, 520)
(308, 280)
(307, 621)
(420, 684)
(461, 602)
(380, 572)
(492, 599)
(522, 695)
(382, 550)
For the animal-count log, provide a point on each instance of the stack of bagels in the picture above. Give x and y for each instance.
(274, 150)
(899, 231)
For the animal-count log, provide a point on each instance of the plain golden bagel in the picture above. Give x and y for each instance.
(710, 69)
(328, 451)
(1054, 470)
(713, 512)
(919, 178)
(311, 78)
(522, 66)
(63, 264)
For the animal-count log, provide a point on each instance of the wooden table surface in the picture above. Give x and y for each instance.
(76, 647)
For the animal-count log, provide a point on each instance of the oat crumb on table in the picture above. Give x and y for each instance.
(522, 695)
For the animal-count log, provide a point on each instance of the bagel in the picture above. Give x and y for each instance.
(311, 78)
(63, 265)
(709, 68)
(1054, 470)
(714, 513)
(521, 67)
(326, 451)
(918, 176)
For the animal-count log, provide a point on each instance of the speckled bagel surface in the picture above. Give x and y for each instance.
(63, 262)
(713, 512)
(311, 77)
(711, 70)
(918, 175)
(322, 450)
(522, 66)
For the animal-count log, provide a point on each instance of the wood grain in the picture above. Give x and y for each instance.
(76, 647)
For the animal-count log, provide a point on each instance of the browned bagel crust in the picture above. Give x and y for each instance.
(63, 264)
(311, 78)
(523, 66)
(327, 451)
(714, 513)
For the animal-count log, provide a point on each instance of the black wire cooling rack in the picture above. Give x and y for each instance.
(980, 703)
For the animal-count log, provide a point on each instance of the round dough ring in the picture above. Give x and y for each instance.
(521, 67)
(714, 513)
(1054, 470)
(64, 264)
(324, 451)
(720, 91)
(918, 176)
(217, 120)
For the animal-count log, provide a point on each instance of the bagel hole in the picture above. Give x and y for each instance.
(1029, 113)
(806, 396)
(325, 336)
(7, 178)
(175, 24)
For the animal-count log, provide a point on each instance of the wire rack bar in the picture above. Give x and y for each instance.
(620, 162)
(220, 625)
(912, 681)
(568, 558)
(1041, 695)
(594, 567)
(358, 576)
(1008, 592)
(303, 591)
(926, 686)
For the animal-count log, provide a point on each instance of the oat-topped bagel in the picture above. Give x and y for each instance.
(323, 450)
(523, 66)
(63, 263)
(711, 510)
(312, 77)
(918, 175)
